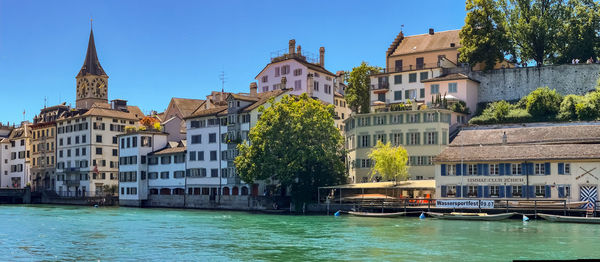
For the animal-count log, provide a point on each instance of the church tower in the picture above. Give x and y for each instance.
(92, 81)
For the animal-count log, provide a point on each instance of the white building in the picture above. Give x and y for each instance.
(301, 73)
(167, 170)
(17, 164)
(134, 148)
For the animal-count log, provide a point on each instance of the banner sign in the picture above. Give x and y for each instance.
(464, 203)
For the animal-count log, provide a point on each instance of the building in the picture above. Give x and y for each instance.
(411, 60)
(299, 72)
(87, 144)
(342, 110)
(423, 133)
(134, 150)
(536, 161)
(43, 145)
(173, 122)
(19, 161)
(5, 131)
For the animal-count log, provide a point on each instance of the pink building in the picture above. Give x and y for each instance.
(454, 87)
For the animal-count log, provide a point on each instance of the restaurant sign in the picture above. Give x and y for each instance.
(464, 203)
(495, 180)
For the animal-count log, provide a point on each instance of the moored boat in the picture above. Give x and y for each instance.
(544, 204)
(570, 219)
(373, 214)
(471, 216)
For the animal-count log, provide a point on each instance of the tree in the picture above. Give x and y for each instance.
(148, 121)
(543, 103)
(358, 91)
(533, 26)
(568, 110)
(295, 142)
(579, 37)
(389, 161)
(483, 37)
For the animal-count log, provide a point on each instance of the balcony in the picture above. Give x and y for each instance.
(380, 87)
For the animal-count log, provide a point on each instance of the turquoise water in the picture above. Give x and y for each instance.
(129, 234)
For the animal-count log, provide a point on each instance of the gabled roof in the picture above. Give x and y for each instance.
(134, 112)
(311, 66)
(404, 45)
(91, 64)
(264, 97)
(448, 77)
(186, 105)
(248, 98)
(207, 112)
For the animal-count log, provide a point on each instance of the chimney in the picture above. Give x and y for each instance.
(253, 88)
(431, 31)
(292, 46)
(322, 57)
(299, 50)
(504, 139)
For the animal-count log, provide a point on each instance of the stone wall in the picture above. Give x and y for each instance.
(515, 83)
(208, 202)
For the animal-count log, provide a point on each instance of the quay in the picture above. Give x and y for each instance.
(15, 196)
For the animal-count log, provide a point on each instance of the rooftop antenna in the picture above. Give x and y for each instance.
(401, 28)
(45, 101)
(222, 78)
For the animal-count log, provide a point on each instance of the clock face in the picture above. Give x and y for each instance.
(83, 88)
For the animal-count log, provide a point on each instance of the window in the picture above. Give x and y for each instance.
(422, 93)
(494, 191)
(452, 88)
(213, 155)
(413, 139)
(540, 191)
(398, 79)
(472, 169)
(212, 138)
(316, 85)
(517, 191)
(451, 191)
(567, 169)
(115, 140)
(397, 95)
(192, 156)
(165, 160)
(285, 69)
(539, 169)
(297, 72)
(98, 151)
(164, 175)
(494, 169)
(196, 139)
(214, 172)
(398, 65)
(412, 118)
(412, 77)
(424, 75)
(363, 141)
(327, 89)
(435, 89)
(451, 170)
(276, 71)
(98, 139)
(420, 63)
(380, 137)
(516, 169)
(114, 152)
(431, 138)
(178, 174)
(152, 175)
(200, 155)
(265, 79)
(381, 97)
(297, 84)
(396, 139)
(472, 191)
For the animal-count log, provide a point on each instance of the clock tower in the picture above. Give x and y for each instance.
(92, 81)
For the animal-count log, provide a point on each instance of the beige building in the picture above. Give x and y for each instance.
(424, 134)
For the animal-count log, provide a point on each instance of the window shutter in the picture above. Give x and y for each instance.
(531, 191)
(444, 193)
(374, 140)
(548, 191)
(508, 191)
(524, 191)
(443, 169)
(561, 168)
(561, 191)
(458, 170)
(479, 169)
(479, 191)
(501, 169)
(465, 191)
(501, 191)
(486, 169)
(508, 169)
(530, 171)
(464, 169)
(458, 191)
(486, 191)
(547, 168)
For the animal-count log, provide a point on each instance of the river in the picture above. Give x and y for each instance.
(128, 234)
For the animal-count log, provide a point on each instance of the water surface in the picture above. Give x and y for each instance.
(129, 234)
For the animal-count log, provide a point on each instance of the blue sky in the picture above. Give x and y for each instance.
(155, 50)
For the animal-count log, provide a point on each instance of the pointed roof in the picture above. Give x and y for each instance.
(91, 65)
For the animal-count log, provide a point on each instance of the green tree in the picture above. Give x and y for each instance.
(389, 161)
(543, 103)
(499, 110)
(483, 37)
(533, 26)
(579, 37)
(568, 110)
(586, 110)
(295, 143)
(358, 91)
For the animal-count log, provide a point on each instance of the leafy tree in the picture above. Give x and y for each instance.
(533, 26)
(483, 37)
(460, 107)
(568, 109)
(579, 37)
(148, 121)
(295, 142)
(358, 91)
(389, 161)
(586, 110)
(543, 103)
(500, 109)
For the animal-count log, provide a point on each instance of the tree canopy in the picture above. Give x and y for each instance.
(295, 143)
(358, 91)
(483, 37)
(389, 161)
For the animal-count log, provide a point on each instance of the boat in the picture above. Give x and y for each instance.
(570, 219)
(373, 214)
(471, 216)
(543, 204)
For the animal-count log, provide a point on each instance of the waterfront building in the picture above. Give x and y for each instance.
(18, 164)
(423, 133)
(535, 161)
(303, 74)
(87, 144)
(43, 145)
(134, 149)
(166, 170)
(342, 110)
(5, 131)
(173, 117)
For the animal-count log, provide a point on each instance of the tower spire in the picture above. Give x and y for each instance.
(91, 64)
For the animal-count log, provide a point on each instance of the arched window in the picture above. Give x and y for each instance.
(244, 191)
(153, 191)
(225, 191)
(235, 191)
(165, 191)
(178, 191)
